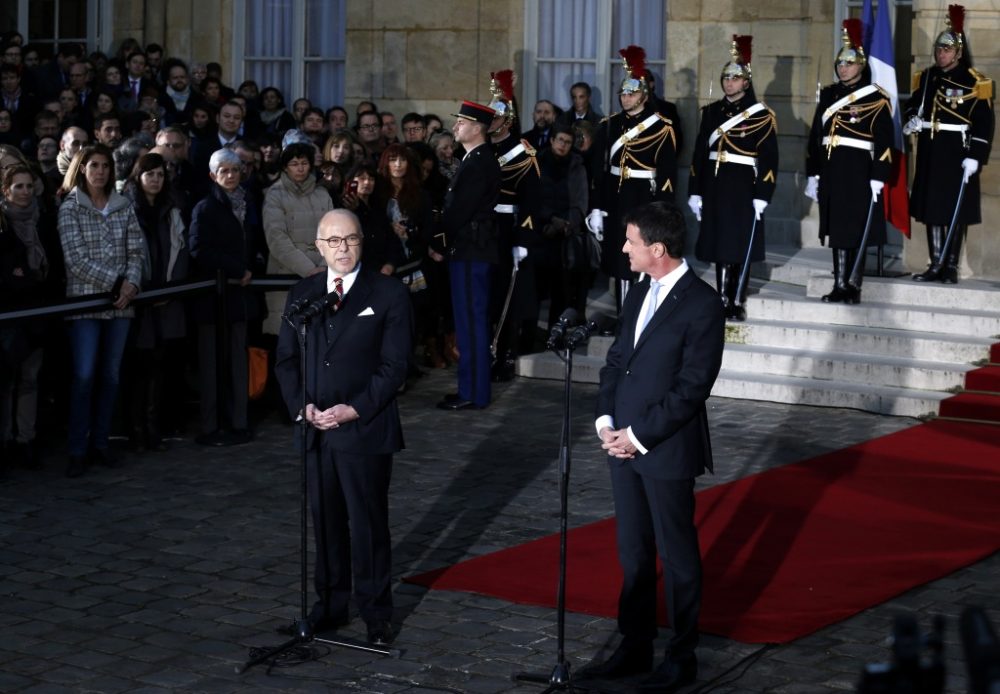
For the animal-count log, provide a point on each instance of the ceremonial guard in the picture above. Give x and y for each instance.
(515, 295)
(635, 163)
(951, 113)
(733, 171)
(848, 161)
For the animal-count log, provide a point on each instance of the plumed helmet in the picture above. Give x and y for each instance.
(634, 62)
(741, 51)
(954, 34)
(853, 51)
(502, 91)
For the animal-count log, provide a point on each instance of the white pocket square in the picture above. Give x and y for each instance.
(367, 312)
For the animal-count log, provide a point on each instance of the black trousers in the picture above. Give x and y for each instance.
(657, 516)
(349, 499)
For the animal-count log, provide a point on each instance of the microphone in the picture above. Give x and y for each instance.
(580, 335)
(297, 306)
(331, 300)
(558, 331)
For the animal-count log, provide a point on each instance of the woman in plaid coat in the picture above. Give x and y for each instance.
(105, 253)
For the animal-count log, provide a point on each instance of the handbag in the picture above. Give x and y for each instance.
(257, 376)
(581, 252)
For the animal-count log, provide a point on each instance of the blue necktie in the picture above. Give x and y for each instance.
(654, 289)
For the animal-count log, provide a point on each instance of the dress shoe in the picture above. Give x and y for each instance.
(458, 404)
(319, 623)
(670, 676)
(77, 466)
(949, 275)
(380, 632)
(504, 371)
(105, 458)
(626, 660)
(931, 274)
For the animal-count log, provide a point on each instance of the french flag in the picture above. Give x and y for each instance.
(878, 36)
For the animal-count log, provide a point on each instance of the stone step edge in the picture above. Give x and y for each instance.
(795, 297)
(772, 379)
(865, 330)
(852, 357)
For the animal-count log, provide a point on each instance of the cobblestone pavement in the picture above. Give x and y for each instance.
(158, 576)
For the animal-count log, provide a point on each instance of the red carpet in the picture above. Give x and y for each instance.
(791, 550)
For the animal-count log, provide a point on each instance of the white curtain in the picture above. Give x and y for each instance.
(268, 50)
(325, 39)
(272, 48)
(638, 22)
(566, 29)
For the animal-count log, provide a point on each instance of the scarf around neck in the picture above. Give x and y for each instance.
(24, 221)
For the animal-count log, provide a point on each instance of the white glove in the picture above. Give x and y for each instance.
(914, 125)
(877, 187)
(812, 188)
(595, 222)
(518, 253)
(694, 202)
(759, 206)
(970, 166)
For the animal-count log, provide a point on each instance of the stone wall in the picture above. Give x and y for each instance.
(428, 55)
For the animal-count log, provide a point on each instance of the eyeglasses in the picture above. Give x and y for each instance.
(335, 241)
(370, 126)
(415, 129)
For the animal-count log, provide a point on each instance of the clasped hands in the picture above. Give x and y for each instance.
(617, 443)
(330, 418)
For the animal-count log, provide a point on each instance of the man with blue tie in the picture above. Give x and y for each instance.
(652, 421)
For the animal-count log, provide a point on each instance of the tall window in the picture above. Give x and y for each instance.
(571, 41)
(297, 46)
(46, 23)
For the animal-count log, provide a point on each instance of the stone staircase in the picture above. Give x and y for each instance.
(906, 349)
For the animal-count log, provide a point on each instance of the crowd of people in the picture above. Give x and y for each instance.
(145, 171)
(125, 173)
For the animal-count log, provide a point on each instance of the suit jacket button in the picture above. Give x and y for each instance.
(326, 363)
(628, 372)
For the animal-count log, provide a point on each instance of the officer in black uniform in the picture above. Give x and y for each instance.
(733, 171)
(635, 163)
(848, 161)
(951, 112)
(467, 221)
(519, 241)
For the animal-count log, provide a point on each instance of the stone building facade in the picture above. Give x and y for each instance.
(426, 55)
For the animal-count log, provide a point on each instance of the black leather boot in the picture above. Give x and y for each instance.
(737, 303)
(935, 242)
(852, 292)
(621, 291)
(721, 283)
(839, 280)
(949, 268)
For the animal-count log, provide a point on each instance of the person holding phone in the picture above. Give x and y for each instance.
(362, 194)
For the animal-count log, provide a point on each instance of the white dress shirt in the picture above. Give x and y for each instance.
(666, 283)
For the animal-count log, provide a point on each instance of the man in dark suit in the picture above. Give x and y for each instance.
(357, 360)
(653, 423)
(471, 238)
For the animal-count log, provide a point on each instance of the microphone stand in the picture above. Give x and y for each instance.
(302, 630)
(561, 679)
